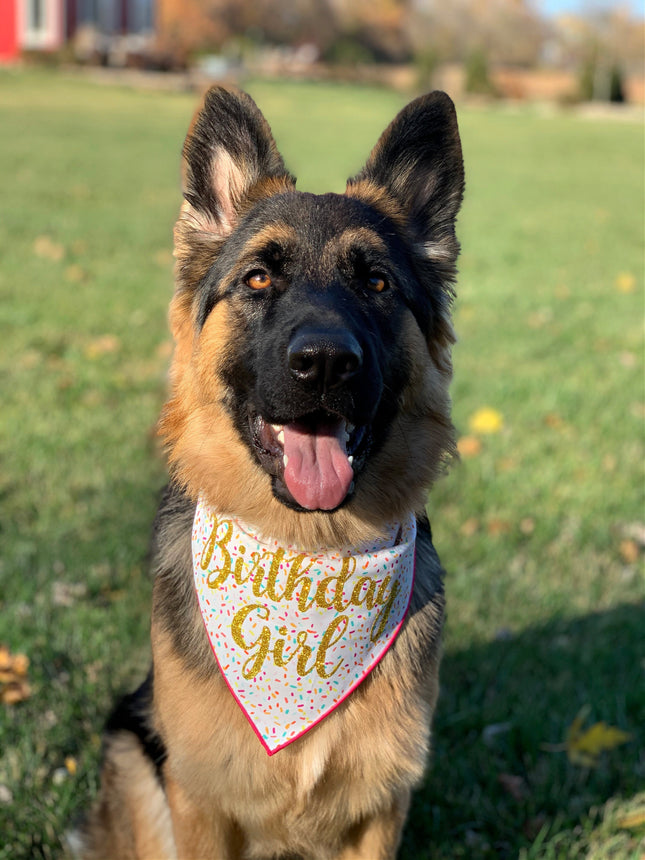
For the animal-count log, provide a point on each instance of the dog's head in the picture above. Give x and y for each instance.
(309, 383)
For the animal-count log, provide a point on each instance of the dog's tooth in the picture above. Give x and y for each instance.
(276, 428)
(280, 437)
(285, 460)
(350, 459)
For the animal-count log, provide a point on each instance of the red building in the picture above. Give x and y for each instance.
(46, 25)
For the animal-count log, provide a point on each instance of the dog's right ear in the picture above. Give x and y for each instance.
(418, 162)
(229, 159)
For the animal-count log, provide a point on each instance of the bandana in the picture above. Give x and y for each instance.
(295, 633)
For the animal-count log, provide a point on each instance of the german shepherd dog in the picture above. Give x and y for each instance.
(309, 398)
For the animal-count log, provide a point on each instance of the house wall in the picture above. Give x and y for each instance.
(8, 31)
(112, 17)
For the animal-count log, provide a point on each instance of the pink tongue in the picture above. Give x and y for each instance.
(318, 473)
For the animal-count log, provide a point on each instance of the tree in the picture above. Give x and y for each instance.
(508, 32)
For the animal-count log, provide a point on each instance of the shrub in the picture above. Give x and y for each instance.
(478, 80)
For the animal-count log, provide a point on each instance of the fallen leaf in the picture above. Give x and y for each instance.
(602, 344)
(80, 190)
(93, 671)
(50, 719)
(469, 446)
(59, 775)
(103, 345)
(538, 319)
(507, 464)
(67, 593)
(584, 747)
(45, 247)
(29, 359)
(498, 526)
(13, 671)
(625, 282)
(14, 692)
(635, 531)
(486, 420)
(65, 382)
(552, 419)
(629, 551)
(628, 359)
(20, 664)
(75, 274)
(92, 398)
(609, 463)
(470, 527)
(632, 820)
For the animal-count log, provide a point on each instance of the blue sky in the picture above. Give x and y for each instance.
(555, 7)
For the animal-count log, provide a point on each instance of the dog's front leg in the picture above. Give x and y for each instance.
(378, 837)
(200, 834)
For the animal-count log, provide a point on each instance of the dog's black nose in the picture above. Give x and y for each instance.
(324, 358)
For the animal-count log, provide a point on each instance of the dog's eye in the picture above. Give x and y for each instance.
(258, 280)
(376, 282)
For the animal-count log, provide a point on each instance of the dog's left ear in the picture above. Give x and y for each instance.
(229, 157)
(230, 161)
(418, 162)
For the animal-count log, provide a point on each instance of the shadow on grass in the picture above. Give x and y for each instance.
(495, 781)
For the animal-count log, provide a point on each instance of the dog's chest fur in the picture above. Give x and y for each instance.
(380, 734)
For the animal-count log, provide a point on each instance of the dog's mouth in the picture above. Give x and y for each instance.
(313, 460)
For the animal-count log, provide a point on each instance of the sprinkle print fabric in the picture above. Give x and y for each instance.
(294, 633)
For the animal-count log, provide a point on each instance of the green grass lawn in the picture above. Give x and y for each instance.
(538, 526)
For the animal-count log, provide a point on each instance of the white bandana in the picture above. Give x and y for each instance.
(294, 633)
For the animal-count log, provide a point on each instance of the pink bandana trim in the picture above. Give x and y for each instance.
(295, 633)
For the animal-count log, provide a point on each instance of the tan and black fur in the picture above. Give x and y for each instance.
(319, 310)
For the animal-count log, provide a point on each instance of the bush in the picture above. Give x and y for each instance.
(426, 63)
(600, 83)
(348, 51)
(616, 86)
(588, 80)
(478, 80)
